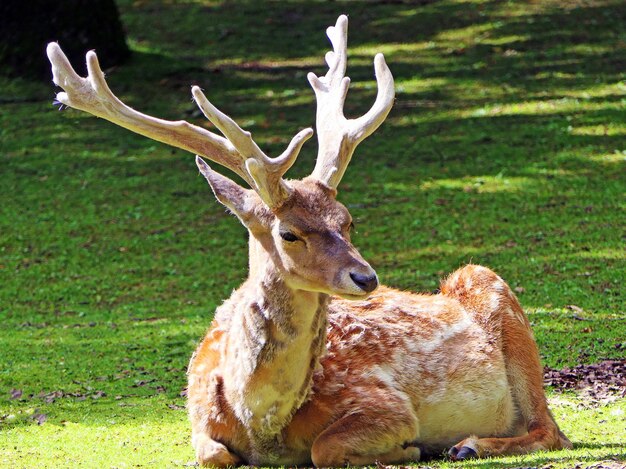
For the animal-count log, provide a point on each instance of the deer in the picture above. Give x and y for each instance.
(310, 361)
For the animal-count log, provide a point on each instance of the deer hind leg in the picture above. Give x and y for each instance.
(381, 431)
(496, 308)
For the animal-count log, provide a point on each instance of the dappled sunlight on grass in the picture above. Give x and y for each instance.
(596, 423)
(606, 130)
(543, 107)
(613, 254)
(614, 158)
(475, 33)
(483, 184)
(149, 436)
(396, 50)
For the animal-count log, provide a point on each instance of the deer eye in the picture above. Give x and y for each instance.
(289, 236)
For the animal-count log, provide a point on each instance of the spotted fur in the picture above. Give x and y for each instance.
(399, 372)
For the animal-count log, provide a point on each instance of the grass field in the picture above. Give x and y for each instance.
(506, 147)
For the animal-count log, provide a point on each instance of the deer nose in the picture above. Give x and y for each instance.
(367, 283)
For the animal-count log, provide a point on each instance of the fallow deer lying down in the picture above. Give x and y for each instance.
(308, 361)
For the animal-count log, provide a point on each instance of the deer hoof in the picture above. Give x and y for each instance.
(452, 452)
(460, 454)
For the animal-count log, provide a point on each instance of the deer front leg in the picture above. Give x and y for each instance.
(369, 435)
(211, 453)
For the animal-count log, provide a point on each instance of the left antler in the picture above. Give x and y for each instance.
(337, 136)
(237, 151)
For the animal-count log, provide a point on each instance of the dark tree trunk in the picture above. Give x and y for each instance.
(26, 26)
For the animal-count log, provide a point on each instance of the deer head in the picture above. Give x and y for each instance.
(296, 226)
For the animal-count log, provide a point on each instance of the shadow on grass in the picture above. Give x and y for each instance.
(546, 459)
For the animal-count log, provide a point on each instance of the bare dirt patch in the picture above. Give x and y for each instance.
(600, 382)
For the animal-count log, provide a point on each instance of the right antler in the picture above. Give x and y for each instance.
(337, 136)
(237, 151)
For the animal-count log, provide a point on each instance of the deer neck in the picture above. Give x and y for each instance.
(276, 339)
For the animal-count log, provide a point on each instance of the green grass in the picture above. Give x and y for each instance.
(506, 147)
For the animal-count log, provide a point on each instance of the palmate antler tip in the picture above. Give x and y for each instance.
(54, 51)
(381, 68)
(202, 165)
(91, 56)
(55, 55)
(307, 133)
(339, 30)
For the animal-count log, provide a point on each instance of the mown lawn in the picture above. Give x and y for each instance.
(506, 147)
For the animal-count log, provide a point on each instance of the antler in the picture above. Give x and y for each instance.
(337, 136)
(237, 151)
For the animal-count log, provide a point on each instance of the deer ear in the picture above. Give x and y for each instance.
(230, 194)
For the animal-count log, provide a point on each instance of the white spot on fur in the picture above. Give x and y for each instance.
(441, 335)
(500, 286)
(494, 301)
(453, 279)
(480, 270)
(385, 375)
(516, 314)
